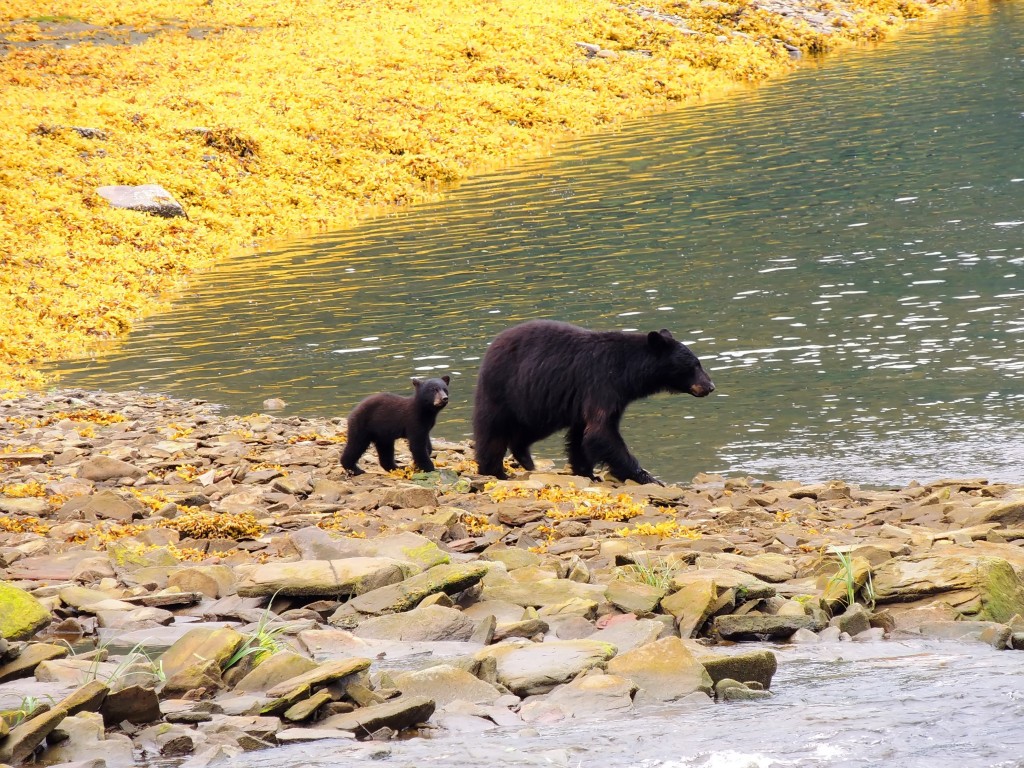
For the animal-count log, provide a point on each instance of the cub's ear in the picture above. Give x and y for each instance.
(446, 379)
(416, 383)
(660, 339)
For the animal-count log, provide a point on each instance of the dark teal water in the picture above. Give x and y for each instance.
(844, 249)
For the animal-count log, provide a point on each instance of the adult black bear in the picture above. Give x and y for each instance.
(543, 376)
(383, 418)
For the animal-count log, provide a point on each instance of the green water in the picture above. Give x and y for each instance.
(844, 249)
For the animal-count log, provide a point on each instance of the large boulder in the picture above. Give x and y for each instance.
(988, 588)
(665, 670)
(21, 615)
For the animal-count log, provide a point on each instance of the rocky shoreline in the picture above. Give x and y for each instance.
(176, 582)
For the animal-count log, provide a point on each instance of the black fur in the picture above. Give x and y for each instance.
(543, 376)
(383, 418)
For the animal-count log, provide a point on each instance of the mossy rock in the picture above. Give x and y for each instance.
(21, 615)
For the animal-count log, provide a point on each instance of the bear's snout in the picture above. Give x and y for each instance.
(440, 400)
(702, 388)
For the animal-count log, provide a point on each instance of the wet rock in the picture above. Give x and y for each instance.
(530, 668)
(273, 670)
(855, 619)
(748, 667)
(692, 603)
(198, 679)
(134, 704)
(759, 625)
(664, 670)
(633, 597)
(445, 684)
(24, 665)
(200, 645)
(23, 739)
(433, 622)
(994, 634)
(304, 710)
(319, 578)
(740, 692)
(398, 714)
(86, 740)
(147, 198)
(402, 596)
(21, 615)
(589, 695)
(320, 676)
(804, 637)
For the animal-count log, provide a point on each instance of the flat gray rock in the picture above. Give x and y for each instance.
(445, 684)
(148, 198)
(398, 714)
(432, 622)
(528, 668)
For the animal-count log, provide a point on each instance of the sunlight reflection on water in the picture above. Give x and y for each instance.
(841, 248)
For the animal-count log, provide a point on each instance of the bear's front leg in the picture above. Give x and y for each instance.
(604, 443)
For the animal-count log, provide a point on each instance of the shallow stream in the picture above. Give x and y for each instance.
(836, 705)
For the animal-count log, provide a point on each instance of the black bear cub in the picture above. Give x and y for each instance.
(383, 418)
(543, 376)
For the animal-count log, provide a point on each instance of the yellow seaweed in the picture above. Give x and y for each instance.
(265, 119)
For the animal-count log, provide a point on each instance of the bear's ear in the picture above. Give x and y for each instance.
(660, 339)
(416, 383)
(446, 379)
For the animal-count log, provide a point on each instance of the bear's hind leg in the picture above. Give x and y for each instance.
(580, 463)
(489, 437)
(386, 454)
(419, 447)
